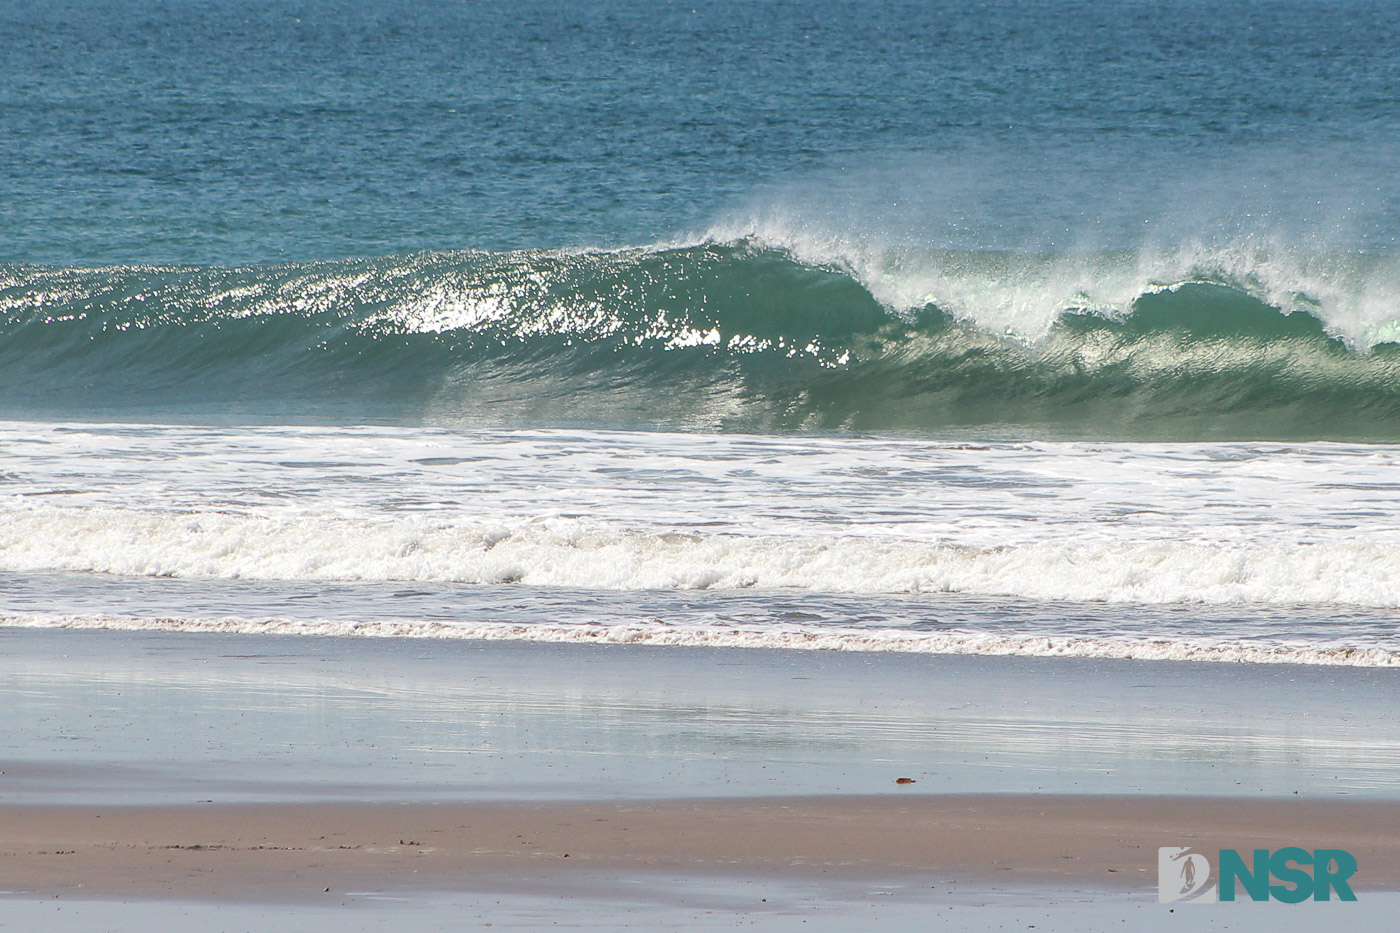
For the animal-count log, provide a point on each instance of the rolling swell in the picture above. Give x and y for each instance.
(729, 336)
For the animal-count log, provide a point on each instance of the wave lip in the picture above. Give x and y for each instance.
(762, 333)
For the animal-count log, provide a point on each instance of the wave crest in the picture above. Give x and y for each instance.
(746, 334)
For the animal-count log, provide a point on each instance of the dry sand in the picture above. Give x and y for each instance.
(294, 852)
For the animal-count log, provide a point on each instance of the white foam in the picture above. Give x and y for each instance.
(582, 553)
(1022, 294)
(1147, 523)
(787, 638)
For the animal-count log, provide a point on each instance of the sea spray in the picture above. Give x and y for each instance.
(745, 335)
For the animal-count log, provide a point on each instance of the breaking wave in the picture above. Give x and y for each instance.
(577, 553)
(754, 333)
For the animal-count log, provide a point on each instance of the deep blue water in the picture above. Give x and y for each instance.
(232, 131)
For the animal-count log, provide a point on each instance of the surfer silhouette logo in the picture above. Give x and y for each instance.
(1183, 875)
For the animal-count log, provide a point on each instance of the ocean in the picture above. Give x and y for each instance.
(1049, 327)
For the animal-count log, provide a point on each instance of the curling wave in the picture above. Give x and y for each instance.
(744, 334)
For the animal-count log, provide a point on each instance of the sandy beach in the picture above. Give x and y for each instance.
(301, 852)
(292, 783)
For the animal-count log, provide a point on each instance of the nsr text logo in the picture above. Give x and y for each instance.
(1183, 875)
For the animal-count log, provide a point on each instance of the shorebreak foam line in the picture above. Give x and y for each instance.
(661, 634)
(1359, 570)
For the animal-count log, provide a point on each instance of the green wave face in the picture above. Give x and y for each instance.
(718, 336)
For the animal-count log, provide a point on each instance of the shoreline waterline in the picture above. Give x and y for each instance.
(659, 634)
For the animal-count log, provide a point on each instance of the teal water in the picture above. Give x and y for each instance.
(1085, 218)
(716, 337)
(237, 131)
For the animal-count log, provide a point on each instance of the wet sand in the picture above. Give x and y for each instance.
(229, 781)
(295, 852)
(125, 718)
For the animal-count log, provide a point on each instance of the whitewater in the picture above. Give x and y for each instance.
(879, 327)
(921, 527)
